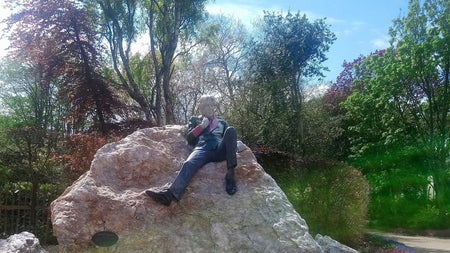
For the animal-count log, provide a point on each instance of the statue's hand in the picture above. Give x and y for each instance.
(205, 122)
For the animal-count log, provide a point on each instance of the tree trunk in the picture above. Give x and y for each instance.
(170, 117)
(33, 204)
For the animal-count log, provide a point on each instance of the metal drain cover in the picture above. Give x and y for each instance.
(105, 238)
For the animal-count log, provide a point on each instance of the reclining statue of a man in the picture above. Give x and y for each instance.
(213, 141)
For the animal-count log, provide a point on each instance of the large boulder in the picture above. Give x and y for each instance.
(329, 245)
(110, 199)
(24, 242)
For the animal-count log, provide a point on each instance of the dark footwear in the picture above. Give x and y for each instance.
(164, 197)
(230, 186)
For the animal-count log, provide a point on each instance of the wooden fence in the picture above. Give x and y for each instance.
(18, 214)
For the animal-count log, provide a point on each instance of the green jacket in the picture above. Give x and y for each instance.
(208, 138)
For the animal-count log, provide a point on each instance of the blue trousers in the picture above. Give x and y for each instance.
(198, 158)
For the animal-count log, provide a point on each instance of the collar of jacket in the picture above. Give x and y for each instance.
(213, 124)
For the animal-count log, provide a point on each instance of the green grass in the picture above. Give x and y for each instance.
(331, 197)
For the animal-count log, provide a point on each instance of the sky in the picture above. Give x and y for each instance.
(361, 26)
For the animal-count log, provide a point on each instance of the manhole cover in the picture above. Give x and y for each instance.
(105, 238)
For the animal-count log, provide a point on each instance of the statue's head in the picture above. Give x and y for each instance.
(207, 105)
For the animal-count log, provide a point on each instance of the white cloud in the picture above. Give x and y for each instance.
(334, 21)
(347, 28)
(310, 15)
(315, 91)
(381, 42)
(247, 14)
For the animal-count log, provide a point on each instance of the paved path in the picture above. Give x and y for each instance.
(422, 244)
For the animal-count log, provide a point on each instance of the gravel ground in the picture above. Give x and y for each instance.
(420, 244)
(408, 244)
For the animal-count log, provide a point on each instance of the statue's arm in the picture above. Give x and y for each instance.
(194, 130)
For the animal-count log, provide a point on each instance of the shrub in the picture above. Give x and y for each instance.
(332, 197)
(79, 151)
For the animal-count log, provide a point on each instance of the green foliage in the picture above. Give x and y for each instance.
(273, 102)
(394, 120)
(427, 217)
(401, 188)
(332, 198)
(29, 134)
(28, 177)
(36, 218)
(398, 118)
(168, 24)
(58, 44)
(324, 133)
(6, 124)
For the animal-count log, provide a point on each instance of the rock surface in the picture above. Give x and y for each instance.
(24, 242)
(329, 245)
(110, 197)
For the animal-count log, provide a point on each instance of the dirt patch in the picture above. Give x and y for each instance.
(51, 248)
(422, 244)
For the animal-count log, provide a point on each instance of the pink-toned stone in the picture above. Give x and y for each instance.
(110, 196)
(24, 242)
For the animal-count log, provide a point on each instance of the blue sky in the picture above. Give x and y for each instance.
(361, 26)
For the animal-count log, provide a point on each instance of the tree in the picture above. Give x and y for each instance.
(291, 49)
(324, 134)
(6, 124)
(227, 51)
(404, 101)
(119, 24)
(342, 88)
(331, 103)
(58, 39)
(189, 83)
(169, 22)
(32, 126)
(423, 59)
(215, 65)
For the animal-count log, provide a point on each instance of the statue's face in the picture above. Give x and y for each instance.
(206, 108)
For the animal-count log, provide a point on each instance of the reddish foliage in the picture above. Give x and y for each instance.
(341, 89)
(59, 39)
(79, 149)
(79, 152)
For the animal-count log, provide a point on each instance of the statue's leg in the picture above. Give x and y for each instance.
(227, 151)
(193, 163)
